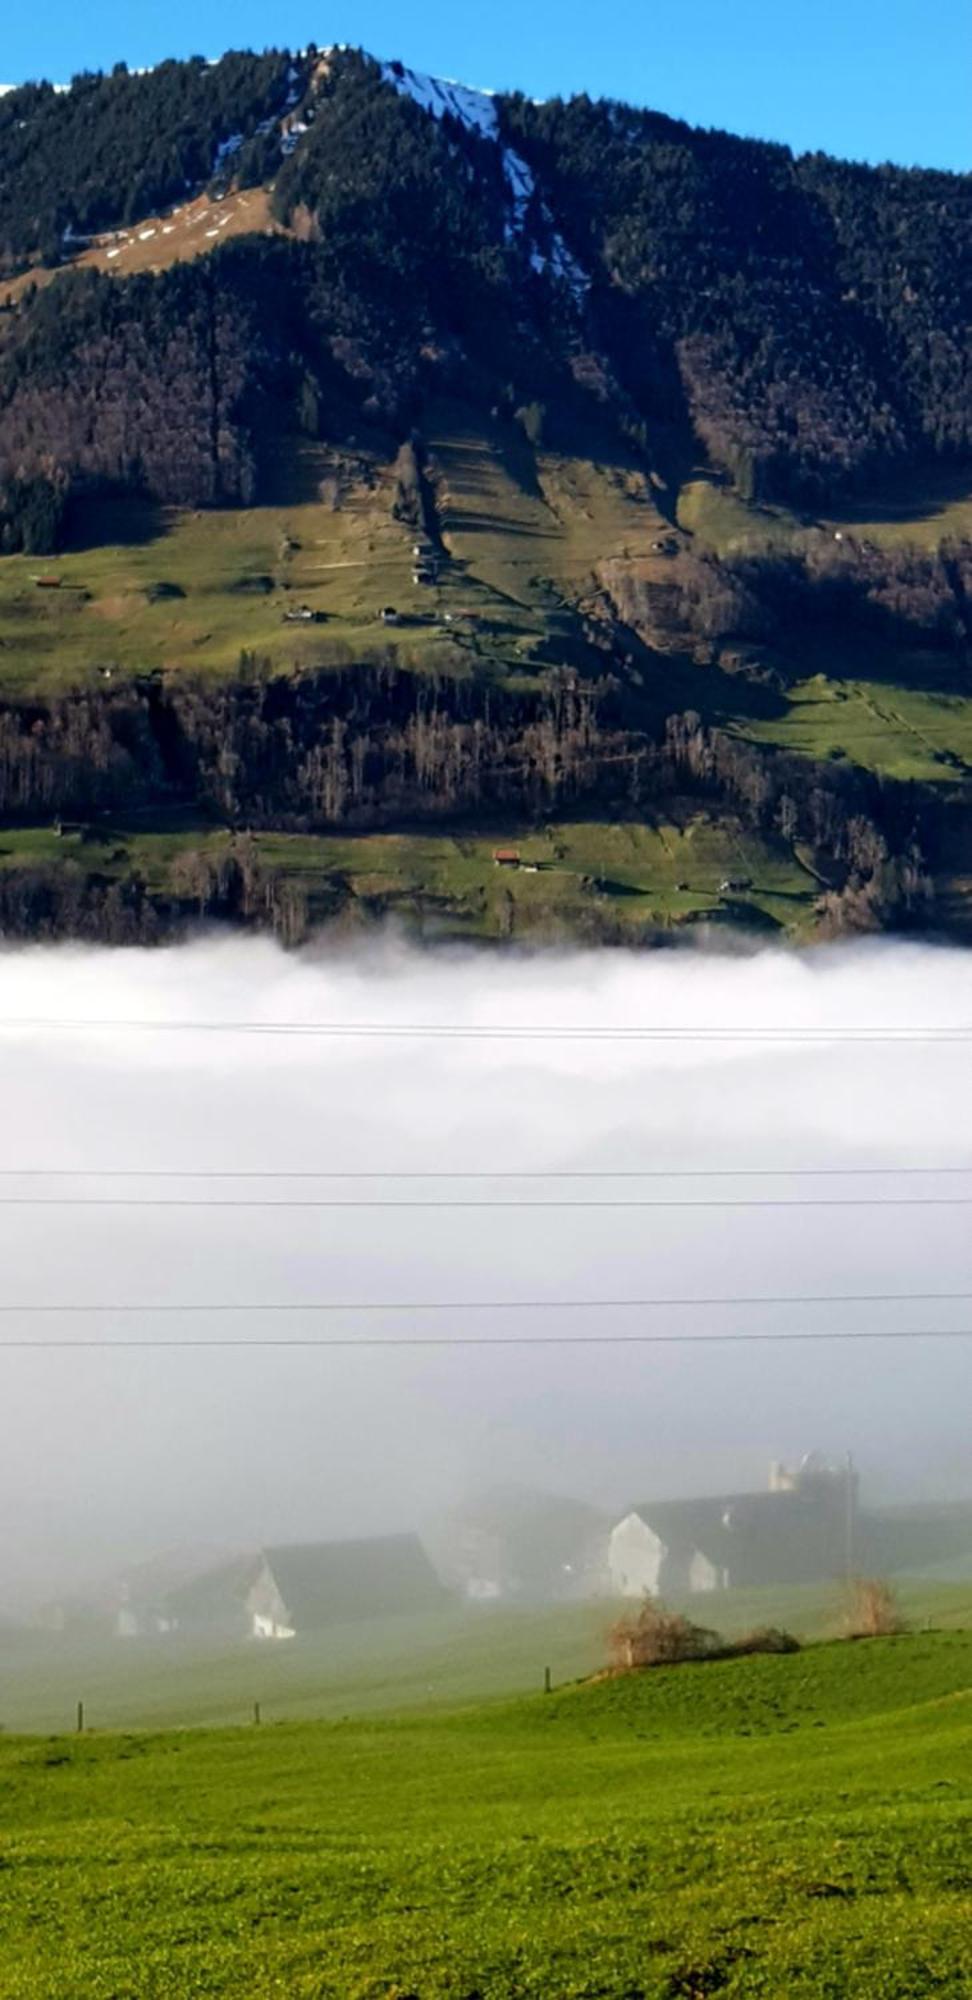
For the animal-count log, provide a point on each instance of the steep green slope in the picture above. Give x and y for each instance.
(765, 1826)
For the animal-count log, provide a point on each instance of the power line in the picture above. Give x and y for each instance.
(800, 1336)
(472, 1173)
(490, 1305)
(435, 1206)
(485, 1031)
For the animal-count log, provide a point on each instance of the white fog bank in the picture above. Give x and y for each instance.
(110, 1454)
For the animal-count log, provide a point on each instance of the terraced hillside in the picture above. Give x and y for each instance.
(459, 481)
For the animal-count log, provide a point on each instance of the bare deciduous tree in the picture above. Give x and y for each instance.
(873, 1611)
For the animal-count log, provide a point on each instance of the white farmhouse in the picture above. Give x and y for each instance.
(661, 1549)
(795, 1533)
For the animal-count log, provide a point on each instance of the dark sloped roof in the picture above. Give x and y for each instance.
(537, 1527)
(701, 1524)
(217, 1593)
(759, 1537)
(321, 1582)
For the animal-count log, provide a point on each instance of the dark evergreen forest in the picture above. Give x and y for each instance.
(804, 321)
(114, 148)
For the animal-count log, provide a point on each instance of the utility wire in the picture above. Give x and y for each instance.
(845, 1338)
(493, 1305)
(471, 1173)
(521, 1031)
(434, 1206)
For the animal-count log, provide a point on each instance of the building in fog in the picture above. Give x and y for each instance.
(511, 1544)
(279, 1593)
(803, 1529)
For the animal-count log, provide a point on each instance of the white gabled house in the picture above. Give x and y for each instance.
(797, 1532)
(268, 1616)
(660, 1558)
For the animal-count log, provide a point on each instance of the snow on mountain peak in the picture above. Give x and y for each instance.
(476, 110)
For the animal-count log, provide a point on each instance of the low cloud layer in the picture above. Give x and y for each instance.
(107, 1455)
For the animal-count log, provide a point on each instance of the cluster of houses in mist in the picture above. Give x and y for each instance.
(522, 1547)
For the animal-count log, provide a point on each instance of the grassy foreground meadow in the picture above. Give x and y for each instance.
(767, 1826)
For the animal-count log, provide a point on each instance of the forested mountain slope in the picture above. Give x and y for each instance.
(373, 451)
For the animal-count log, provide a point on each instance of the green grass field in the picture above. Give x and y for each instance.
(462, 1654)
(779, 1827)
(909, 718)
(914, 512)
(905, 733)
(715, 515)
(227, 575)
(179, 590)
(527, 532)
(623, 878)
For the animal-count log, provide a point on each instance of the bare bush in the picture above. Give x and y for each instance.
(873, 1611)
(653, 1636)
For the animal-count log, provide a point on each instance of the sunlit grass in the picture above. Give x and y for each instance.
(770, 1826)
(625, 877)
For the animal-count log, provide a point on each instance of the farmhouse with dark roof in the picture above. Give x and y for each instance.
(278, 1593)
(799, 1531)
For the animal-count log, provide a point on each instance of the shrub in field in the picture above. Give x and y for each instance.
(653, 1636)
(765, 1639)
(873, 1611)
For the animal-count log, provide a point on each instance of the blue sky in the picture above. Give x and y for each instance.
(869, 79)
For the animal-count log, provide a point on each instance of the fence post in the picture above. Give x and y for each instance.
(546, 1680)
(256, 1712)
(79, 1725)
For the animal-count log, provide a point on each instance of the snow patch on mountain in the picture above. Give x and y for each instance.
(226, 150)
(476, 110)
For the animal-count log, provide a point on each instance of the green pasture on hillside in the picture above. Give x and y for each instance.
(916, 511)
(192, 591)
(795, 1827)
(148, 590)
(617, 878)
(713, 513)
(525, 530)
(908, 733)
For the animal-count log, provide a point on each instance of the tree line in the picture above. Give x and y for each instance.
(376, 746)
(903, 595)
(162, 386)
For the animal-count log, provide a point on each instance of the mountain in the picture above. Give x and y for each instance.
(392, 474)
